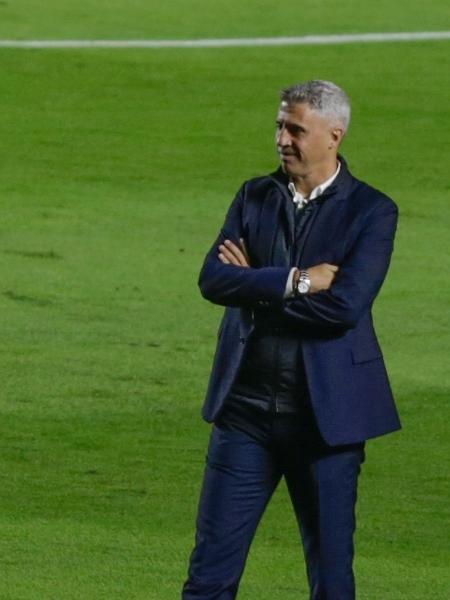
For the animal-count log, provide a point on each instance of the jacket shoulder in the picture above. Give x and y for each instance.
(258, 184)
(370, 198)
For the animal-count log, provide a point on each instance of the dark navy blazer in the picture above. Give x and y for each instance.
(354, 228)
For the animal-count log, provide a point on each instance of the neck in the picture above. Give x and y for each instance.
(307, 182)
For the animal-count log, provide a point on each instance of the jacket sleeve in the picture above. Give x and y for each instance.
(230, 285)
(358, 280)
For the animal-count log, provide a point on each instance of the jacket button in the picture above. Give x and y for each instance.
(242, 340)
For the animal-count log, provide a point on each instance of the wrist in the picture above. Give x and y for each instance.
(302, 285)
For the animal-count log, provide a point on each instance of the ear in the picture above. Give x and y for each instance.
(336, 135)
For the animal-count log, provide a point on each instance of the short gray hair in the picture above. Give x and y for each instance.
(325, 97)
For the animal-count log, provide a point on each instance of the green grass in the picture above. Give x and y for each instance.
(200, 18)
(117, 168)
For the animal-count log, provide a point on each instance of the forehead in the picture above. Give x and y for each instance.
(300, 114)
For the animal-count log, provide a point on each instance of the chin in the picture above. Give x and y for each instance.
(290, 171)
(286, 168)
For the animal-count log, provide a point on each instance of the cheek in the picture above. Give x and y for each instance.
(319, 147)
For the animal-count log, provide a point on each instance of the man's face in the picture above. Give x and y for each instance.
(305, 140)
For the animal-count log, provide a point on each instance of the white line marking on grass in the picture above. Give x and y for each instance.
(232, 42)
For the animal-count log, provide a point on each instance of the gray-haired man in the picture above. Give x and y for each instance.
(298, 382)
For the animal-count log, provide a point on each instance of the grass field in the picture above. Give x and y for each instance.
(117, 168)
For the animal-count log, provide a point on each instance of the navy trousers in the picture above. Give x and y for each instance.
(243, 468)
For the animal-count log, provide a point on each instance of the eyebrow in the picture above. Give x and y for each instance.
(290, 124)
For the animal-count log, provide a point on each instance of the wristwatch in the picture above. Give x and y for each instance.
(303, 284)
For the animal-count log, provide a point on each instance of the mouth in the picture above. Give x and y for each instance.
(286, 156)
(285, 152)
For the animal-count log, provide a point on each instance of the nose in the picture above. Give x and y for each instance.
(283, 137)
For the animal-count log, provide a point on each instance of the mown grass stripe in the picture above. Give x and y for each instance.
(233, 42)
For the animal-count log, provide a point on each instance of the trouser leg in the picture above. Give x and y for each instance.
(239, 479)
(323, 489)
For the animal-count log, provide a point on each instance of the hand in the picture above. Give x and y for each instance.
(321, 276)
(230, 254)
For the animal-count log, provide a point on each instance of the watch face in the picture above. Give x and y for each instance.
(303, 287)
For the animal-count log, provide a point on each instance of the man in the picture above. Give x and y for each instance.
(298, 382)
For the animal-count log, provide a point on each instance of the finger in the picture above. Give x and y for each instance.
(224, 259)
(229, 255)
(244, 250)
(333, 268)
(237, 252)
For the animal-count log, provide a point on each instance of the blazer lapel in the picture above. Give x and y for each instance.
(324, 233)
(326, 236)
(268, 237)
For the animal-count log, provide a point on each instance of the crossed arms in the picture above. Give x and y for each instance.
(340, 294)
(321, 275)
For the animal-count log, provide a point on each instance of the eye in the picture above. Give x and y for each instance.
(297, 130)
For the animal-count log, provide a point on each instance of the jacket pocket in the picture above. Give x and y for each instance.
(366, 352)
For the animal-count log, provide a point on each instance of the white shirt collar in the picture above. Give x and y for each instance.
(299, 199)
